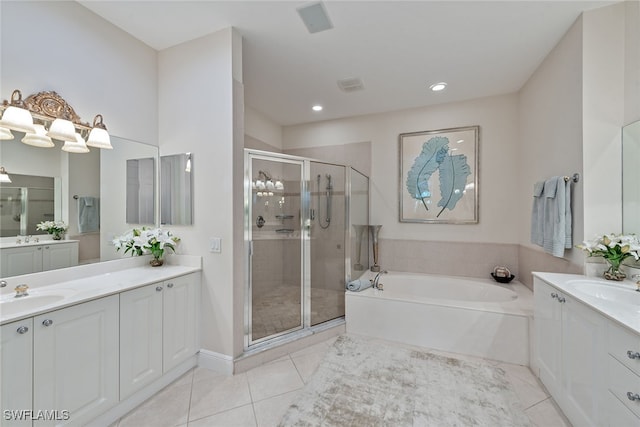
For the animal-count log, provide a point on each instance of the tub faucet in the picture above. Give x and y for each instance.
(376, 280)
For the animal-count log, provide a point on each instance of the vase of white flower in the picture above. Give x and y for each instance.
(145, 241)
(55, 228)
(614, 248)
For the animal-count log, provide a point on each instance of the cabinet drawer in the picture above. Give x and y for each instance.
(619, 415)
(622, 381)
(622, 341)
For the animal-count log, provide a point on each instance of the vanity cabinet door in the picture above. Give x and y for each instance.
(22, 260)
(584, 363)
(16, 355)
(140, 338)
(548, 334)
(59, 255)
(180, 320)
(75, 366)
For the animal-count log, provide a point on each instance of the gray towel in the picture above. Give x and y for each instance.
(88, 214)
(557, 216)
(537, 214)
(358, 285)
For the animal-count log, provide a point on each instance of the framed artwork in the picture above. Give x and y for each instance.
(439, 176)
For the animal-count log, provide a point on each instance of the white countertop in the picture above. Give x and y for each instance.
(84, 283)
(625, 314)
(12, 243)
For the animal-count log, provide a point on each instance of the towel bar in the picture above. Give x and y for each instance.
(575, 178)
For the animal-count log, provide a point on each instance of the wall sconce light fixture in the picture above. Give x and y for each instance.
(51, 111)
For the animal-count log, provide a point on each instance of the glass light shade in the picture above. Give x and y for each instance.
(77, 146)
(5, 134)
(99, 138)
(279, 185)
(39, 138)
(63, 130)
(4, 176)
(16, 118)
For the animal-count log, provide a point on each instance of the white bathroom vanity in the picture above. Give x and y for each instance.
(587, 347)
(90, 343)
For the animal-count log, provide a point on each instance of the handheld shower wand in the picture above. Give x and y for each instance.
(328, 193)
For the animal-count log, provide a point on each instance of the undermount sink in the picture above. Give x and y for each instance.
(614, 293)
(9, 305)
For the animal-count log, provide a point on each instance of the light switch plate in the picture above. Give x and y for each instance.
(215, 244)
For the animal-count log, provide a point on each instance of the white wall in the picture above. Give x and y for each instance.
(498, 172)
(260, 127)
(550, 132)
(603, 117)
(200, 73)
(93, 65)
(632, 62)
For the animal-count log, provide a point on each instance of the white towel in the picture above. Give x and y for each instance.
(537, 214)
(557, 216)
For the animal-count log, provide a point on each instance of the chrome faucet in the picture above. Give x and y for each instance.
(376, 280)
(21, 291)
(636, 277)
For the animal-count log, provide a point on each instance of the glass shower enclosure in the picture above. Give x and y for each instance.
(299, 247)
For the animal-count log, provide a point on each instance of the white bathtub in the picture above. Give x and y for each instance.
(457, 314)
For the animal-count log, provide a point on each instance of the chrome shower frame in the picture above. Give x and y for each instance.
(305, 328)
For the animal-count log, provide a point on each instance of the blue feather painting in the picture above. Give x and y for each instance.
(453, 171)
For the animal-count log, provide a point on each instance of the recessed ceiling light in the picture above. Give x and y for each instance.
(437, 87)
(317, 108)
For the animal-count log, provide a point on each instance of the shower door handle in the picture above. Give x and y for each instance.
(312, 214)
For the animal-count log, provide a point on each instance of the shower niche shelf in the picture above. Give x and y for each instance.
(282, 216)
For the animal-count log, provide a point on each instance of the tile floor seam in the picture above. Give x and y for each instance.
(297, 370)
(537, 403)
(278, 395)
(193, 375)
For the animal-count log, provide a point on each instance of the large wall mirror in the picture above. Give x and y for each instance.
(176, 197)
(99, 175)
(631, 178)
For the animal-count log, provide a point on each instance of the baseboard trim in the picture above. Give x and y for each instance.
(136, 399)
(217, 362)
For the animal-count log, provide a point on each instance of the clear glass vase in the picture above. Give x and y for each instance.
(614, 272)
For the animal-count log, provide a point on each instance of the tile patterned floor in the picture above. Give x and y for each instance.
(261, 396)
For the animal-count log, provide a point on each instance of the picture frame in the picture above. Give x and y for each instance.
(438, 181)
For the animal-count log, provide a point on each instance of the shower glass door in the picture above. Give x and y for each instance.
(328, 215)
(276, 291)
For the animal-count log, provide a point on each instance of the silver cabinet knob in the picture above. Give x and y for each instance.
(169, 285)
(554, 295)
(561, 299)
(22, 330)
(46, 247)
(633, 354)
(39, 248)
(159, 288)
(3, 283)
(47, 322)
(633, 396)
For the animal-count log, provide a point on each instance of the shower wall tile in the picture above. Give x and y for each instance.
(470, 259)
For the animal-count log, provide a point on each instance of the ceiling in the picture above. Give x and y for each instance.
(398, 48)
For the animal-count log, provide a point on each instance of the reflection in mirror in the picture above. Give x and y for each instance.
(100, 174)
(176, 198)
(631, 178)
(24, 202)
(359, 223)
(140, 191)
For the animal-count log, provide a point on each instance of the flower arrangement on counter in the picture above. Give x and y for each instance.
(55, 228)
(145, 240)
(614, 248)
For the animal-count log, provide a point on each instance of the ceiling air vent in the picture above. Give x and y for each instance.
(315, 17)
(351, 84)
